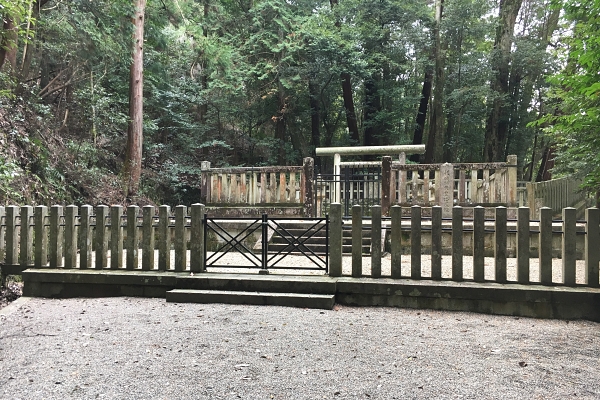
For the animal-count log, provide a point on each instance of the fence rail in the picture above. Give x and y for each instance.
(77, 237)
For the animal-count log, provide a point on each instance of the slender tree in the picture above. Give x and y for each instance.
(133, 161)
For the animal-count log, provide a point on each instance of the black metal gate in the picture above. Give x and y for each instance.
(244, 243)
(357, 185)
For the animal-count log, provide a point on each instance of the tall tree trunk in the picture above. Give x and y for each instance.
(315, 120)
(8, 45)
(372, 107)
(498, 117)
(349, 107)
(435, 142)
(133, 158)
(280, 126)
(29, 47)
(422, 112)
(204, 77)
(351, 120)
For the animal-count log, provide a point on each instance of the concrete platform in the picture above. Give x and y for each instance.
(538, 301)
(301, 300)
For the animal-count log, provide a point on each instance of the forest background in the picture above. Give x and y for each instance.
(118, 101)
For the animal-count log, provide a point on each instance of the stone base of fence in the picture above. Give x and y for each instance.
(492, 298)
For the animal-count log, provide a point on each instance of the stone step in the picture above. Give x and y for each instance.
(301, 300)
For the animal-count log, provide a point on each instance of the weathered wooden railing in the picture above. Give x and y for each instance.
(447, 185)
(252, 186)
(524, 229)
(556, 194)
(126, 239)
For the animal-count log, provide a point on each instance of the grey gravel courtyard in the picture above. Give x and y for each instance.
(131, 348)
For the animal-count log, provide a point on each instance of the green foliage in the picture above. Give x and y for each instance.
(576, 96)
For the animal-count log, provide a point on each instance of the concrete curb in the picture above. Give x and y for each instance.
(14, 306)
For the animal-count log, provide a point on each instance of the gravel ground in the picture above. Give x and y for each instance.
(131, 348)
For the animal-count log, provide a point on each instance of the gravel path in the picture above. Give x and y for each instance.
(131, 348)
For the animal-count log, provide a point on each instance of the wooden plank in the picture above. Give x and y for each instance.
(85, 237)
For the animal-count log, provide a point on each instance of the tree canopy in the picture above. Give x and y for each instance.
(264, 82)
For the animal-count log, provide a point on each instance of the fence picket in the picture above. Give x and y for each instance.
(180, 239)
(164, 234)
(56, 236)
(101, 237)
(592, 250)
(116, 237)
(436, 242)
(148, 238)
(41, 237)
(457, 244)
(132, 245)
(500, 244)
(415, 242)
(376, 241)
(26, 236)
(357, 241)
(545, 246)
(569, 216)
(396, 244)
(71, 214)
(523, 244)
(12, 235)
(85, 237)
(478, 244)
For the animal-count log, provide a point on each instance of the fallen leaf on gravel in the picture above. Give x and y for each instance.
(522, 364)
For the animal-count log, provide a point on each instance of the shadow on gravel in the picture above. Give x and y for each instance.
(10, 292)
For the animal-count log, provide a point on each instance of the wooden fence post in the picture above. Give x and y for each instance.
(500, 244)
(335, 240)
(446, 187)
(164, 233)
(545, 246)
(376, 241)
(12, 235)
(569, 239)
(511, 160)
(116, 237)
(457, 244)
(307, 185)
(478, 244)
(71, 236)
(56, 237)
(205, 184)
(148, 238)
(523, 244)
(101, 237)
(85, 237)
(356, 241)
(180, 239)
(436, 242)
(26, 232)
(415, 242)
(386, 189)
(132, 245)
(41, 237)
(396, 241)
(197, 238)
(592, 250)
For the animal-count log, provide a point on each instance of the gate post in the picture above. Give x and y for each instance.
(307, 184)
(197, 238)
(386, 190)
(335, 243)
(265, 244)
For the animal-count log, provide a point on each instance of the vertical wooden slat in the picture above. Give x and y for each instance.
(436, 242)
(263, 187)
(545, 246)
(376, 241)
(148, 238)
(26, 236)
(415, 187)
(272, 188)
(356, 241)
(71, 236)
(101, 237)
(462, 186)
(164, 234)
(486, 186)
(500, 244)
(592, 249)
(569, 227)
(474, 198)
(426, 188)
(41, 237)
(335, 240)
(132, 245)
(282, 188)
(396, 241)
(393, 191)
(56, 236)
(415, 242)
(85, 237)
(478, 244)
(438, 186)
(197, 238)
(12, 235)
(457, 244)
(402, 192)
(523, 245)
(116, 237)
(180, 239)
